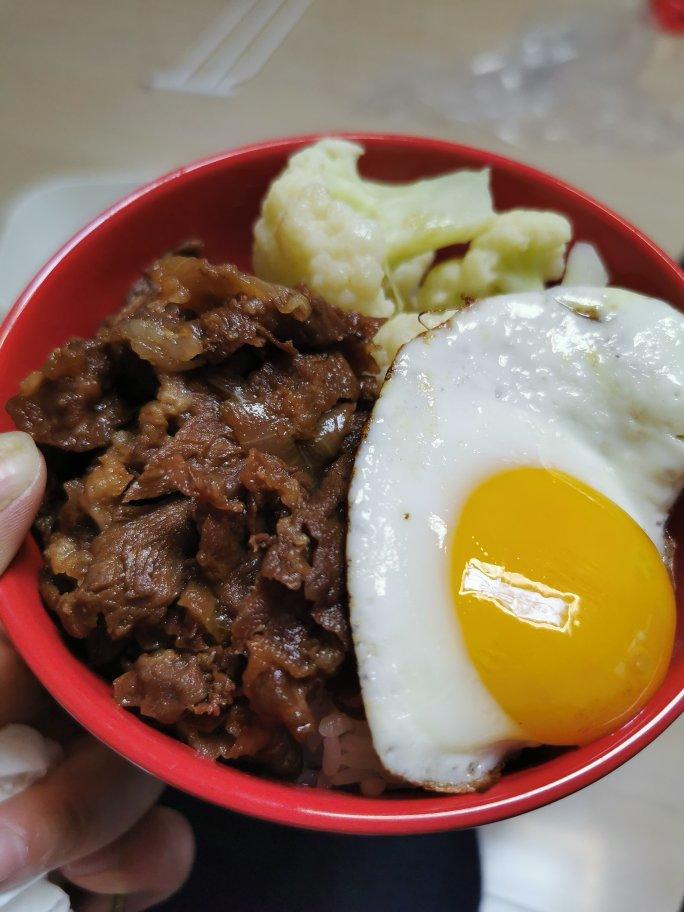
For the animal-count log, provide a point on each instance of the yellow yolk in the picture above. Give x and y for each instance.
(566, 607)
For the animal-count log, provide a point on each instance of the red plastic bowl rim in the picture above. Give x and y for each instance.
(314, 808)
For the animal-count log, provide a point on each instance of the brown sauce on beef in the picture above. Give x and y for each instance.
(199, 453)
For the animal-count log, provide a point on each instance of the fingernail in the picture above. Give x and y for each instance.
(20, 465)
(13, 853)
(22, 479)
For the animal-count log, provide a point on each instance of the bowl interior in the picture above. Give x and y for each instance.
(217, 200)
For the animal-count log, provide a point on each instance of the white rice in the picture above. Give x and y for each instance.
(341, 754)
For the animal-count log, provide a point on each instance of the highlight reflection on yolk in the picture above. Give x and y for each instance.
(566, 607)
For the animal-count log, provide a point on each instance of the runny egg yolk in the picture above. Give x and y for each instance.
(566, 607)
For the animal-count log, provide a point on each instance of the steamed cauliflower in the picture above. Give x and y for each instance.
(405, 279)
(521, 251)
(441, 288)
(585, 267)
(346, 237)
(399, 330)
(369, 246)
(305, 236)
(425, 215)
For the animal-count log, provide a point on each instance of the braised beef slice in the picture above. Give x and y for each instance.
(71, 402)
(198, 544)
(168, 684)
(138, 568)
(202, 460)
(163, 685)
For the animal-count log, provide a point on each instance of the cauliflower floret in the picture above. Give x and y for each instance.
(521, 251)
(366, 246)
(405, 279)
(323, 224)
(399, 330)
(441, 288)
(585, 267)
(304, 235)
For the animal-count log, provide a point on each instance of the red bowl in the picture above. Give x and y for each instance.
(217, 200)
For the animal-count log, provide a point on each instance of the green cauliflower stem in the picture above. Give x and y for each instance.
(430, 214)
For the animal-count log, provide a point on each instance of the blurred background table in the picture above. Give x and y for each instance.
(80, 123)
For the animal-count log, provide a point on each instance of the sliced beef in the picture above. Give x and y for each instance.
(203, 460)
(197, 544)
(71, 402)
(167, 684)
(163, 685)
(138, 568)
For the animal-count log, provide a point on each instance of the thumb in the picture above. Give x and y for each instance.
(22, 482)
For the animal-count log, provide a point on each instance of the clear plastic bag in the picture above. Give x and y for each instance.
(573, 78)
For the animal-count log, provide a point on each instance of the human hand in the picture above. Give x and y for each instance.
(92, 817)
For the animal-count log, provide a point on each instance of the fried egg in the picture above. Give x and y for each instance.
(508, 560)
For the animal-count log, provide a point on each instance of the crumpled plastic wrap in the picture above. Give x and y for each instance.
(573, 77)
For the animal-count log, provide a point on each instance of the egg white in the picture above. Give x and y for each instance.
(586, 381)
